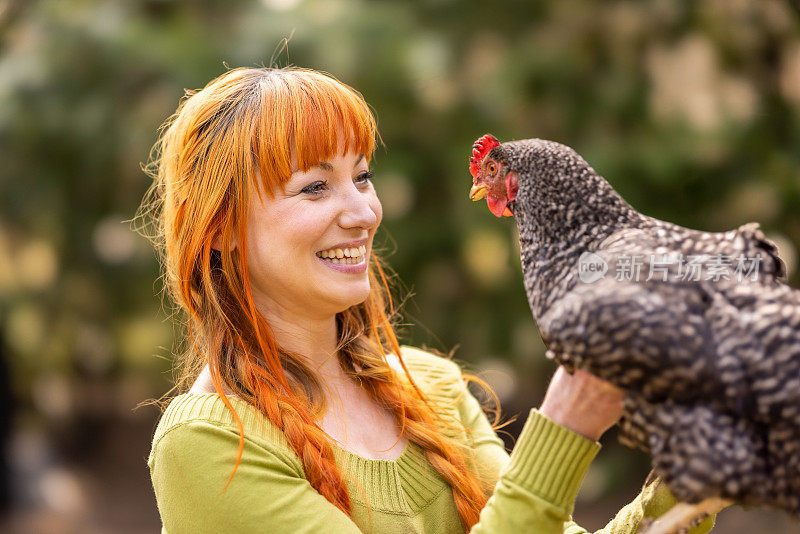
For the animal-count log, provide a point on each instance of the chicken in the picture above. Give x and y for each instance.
(696, 327)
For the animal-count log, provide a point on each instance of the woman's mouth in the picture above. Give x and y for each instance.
(346, 256)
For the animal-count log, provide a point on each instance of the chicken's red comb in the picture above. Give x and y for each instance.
(479, 150)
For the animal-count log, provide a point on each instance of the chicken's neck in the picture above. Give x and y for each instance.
(555, 229)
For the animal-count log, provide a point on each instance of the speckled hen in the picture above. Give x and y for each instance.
(710, 362)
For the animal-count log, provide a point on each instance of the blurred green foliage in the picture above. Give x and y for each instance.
(690, 109)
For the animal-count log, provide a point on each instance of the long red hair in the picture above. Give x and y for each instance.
(204, 168)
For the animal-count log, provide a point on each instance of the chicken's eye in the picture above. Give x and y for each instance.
(492, 167)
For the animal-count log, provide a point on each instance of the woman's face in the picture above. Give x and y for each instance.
(293, 240)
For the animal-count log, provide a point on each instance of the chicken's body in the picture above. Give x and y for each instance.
(710, 366)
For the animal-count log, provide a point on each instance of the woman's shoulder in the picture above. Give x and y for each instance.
(197, 435)
(425, 359)
(433, 373)
(204, 412)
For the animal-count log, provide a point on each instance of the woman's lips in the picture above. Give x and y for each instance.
(352, 268)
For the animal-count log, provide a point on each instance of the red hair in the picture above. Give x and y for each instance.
(204, 169)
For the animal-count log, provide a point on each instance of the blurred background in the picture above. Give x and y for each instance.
(690, 109)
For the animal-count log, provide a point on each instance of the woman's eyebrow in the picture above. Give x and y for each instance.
(325, 166)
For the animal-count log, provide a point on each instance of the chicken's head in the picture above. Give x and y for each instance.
(491, 177)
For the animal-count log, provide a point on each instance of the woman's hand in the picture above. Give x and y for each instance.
(582, 402)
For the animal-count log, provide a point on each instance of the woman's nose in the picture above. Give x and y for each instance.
(359, 209)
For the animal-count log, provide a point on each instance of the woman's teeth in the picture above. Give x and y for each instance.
(344, 255)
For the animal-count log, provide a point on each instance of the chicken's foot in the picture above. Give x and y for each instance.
(682, 517)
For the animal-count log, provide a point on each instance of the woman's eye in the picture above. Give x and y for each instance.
(315, 188)
(364, 177)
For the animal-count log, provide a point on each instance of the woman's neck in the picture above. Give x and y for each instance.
(315, 340)
(314, 337)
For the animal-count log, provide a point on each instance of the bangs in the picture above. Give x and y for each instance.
(303, 114)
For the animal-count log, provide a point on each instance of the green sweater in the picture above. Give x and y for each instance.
(195, 445)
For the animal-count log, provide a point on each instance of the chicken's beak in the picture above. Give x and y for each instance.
(477, 192)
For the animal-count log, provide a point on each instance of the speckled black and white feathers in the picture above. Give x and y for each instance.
(711, 367)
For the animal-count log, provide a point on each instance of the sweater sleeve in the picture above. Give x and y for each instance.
(267, 494)
(539, 482)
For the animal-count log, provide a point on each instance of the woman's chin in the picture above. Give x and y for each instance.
(352, 297)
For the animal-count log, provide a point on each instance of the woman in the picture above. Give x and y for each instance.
(304, 414)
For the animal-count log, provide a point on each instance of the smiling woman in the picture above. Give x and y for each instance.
(299, 411)
(258, 177)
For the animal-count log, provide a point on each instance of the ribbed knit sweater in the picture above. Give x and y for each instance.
(196, 441)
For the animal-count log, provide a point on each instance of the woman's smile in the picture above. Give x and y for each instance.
(347, 260)
(346, 257)
(355, 265)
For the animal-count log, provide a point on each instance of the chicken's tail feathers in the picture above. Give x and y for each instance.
(773, 263)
